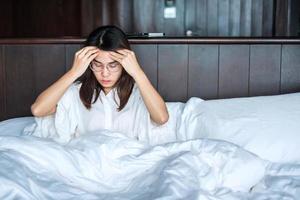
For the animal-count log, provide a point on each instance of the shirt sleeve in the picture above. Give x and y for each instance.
(151, 132)
(60, 126)
(66, 116)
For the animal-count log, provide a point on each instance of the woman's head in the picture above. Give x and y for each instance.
(105, 73)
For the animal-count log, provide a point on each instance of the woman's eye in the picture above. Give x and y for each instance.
(114, 65)
(98, 65)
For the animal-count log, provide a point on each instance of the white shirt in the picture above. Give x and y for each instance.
(103, 113)
(72, 119)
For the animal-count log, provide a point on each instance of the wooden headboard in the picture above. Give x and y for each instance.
(180, 68)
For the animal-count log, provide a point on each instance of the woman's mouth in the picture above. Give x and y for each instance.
(105, 81)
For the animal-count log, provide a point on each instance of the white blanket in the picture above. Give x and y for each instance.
(108, 165)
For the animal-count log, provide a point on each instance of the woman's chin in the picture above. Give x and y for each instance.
(107, 86)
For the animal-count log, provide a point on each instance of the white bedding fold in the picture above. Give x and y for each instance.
(108, 165)
(112, 165)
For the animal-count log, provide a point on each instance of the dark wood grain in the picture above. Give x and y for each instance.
(175, 26)
(246, 18)
(212, 18)
(20, 81)
(145, 22)
(87, 16)
(205, 68)
(190, 23)
(203, 71)
(147, 58)
(74, 18)
(257, 18)
(6, 18)
(235, 18)
(223, 17)
(233, 71)
(172, 72)
(123, 14)
(69, 18)
(264, 69)
(268, 13)
(290, 69)
(45, 73)
(56, 18)
(2, 84)
(95, 13)
(165, 40)
(294, 25)
(70, 50)
(201, 18)
(230, 17)
(282, 18)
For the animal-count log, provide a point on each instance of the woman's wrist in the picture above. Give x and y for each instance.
(72, 74)
(139, 75)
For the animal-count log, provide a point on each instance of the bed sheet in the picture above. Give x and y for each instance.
(108, 165)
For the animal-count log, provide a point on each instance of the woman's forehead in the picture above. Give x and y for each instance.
(104, 57)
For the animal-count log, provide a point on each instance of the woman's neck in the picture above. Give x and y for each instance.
(106, 90)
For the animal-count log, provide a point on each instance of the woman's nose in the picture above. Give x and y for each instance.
(105, 72)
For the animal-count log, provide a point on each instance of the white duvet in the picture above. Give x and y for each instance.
(109, 165)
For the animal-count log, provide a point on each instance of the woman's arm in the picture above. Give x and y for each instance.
(153, 101)
(46, 102)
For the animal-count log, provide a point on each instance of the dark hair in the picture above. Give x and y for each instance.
(107, 38)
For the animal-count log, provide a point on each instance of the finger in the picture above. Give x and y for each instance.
(92, 57)
(127, 51)
(79, 51)
(86, 49)
(91, 49)
(116, 58)
(122, 52)
(93, 53)
(118, 55)
(89, 53)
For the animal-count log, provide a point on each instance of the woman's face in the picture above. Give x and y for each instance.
(106, 70)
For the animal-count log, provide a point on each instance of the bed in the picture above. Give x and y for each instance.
(227, 138)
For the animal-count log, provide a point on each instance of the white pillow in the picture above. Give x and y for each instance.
(268, 126)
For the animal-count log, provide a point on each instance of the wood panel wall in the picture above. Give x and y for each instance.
(65, 18)
(178, 71)
(230, 18)
(2, 85)
(36, 18)
(287, 19)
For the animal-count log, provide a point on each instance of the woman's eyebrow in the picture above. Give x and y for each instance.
(102, 63)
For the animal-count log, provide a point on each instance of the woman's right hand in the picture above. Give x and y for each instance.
(83, 58)
(46, 102)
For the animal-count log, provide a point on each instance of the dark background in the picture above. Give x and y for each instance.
(76, 18)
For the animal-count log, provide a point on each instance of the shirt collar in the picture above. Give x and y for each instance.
(111, 96)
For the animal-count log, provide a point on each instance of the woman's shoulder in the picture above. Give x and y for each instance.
(136, 95)
(135, 90)
(74, 88)
(72, 92)
(76, 85)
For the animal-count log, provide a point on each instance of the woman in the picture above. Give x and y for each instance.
(105, 89)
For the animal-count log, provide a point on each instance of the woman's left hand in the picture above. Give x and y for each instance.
(128, 60)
